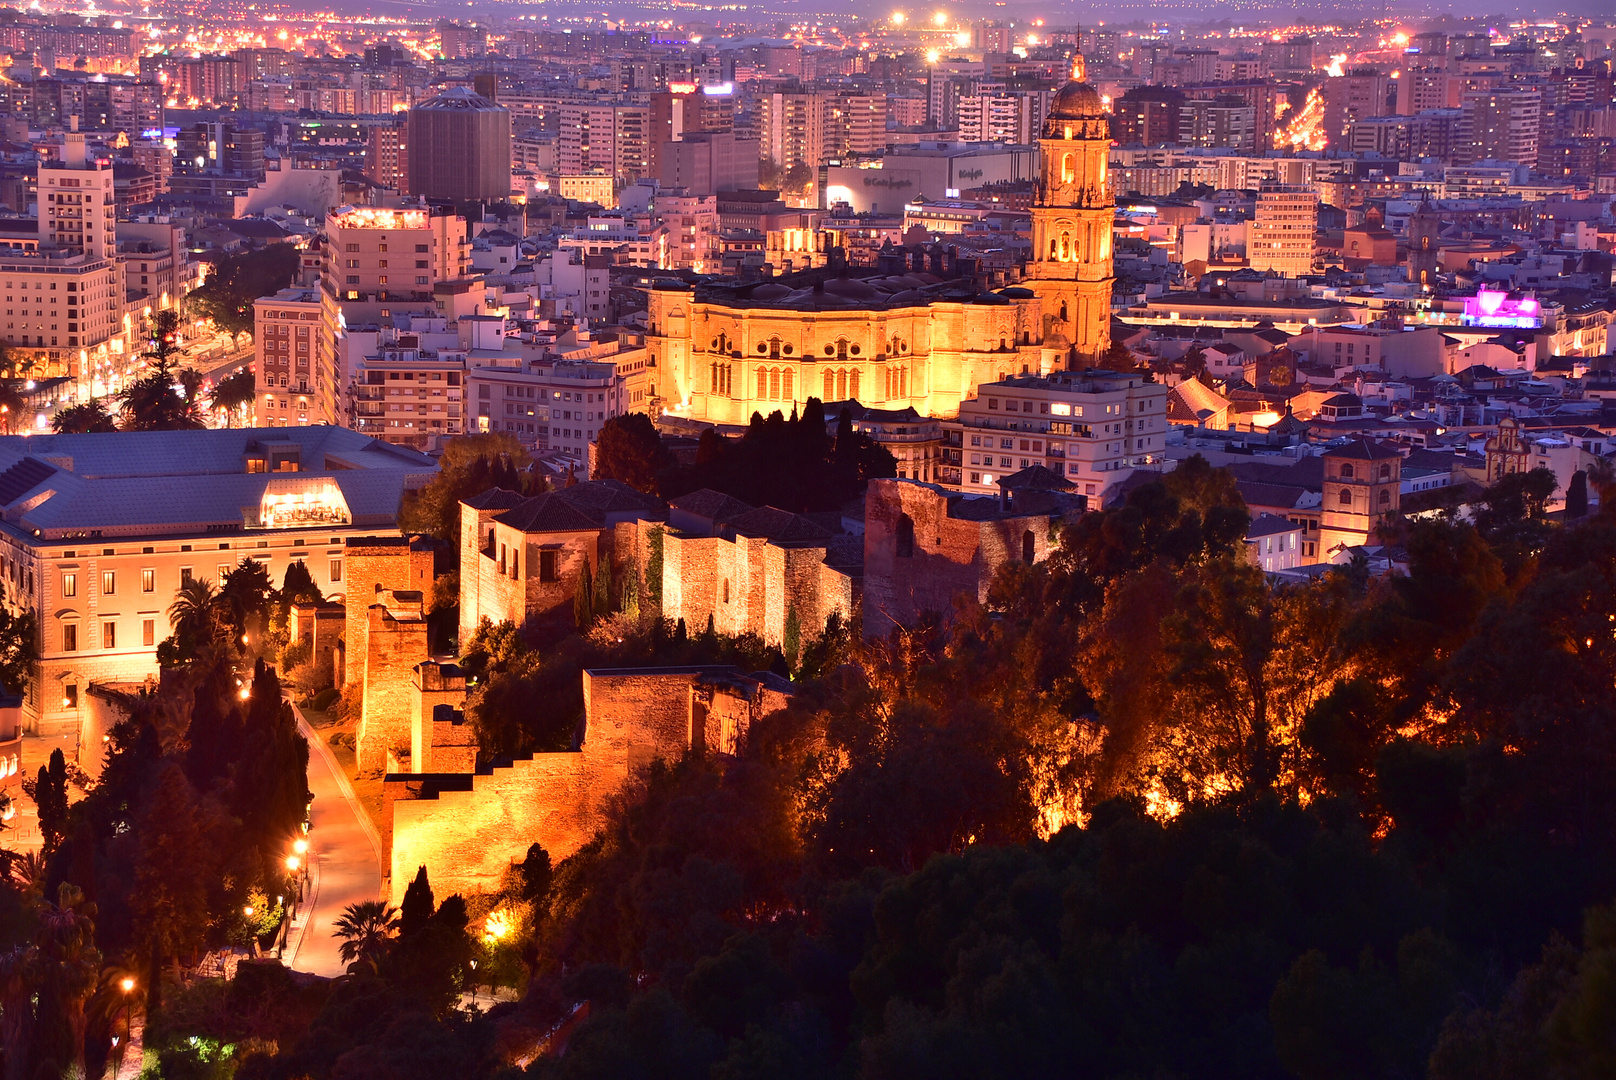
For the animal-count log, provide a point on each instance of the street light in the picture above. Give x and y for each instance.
(292, 863)
(300, 846)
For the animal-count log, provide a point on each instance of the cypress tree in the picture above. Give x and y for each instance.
(603, 588)
(583, 610)
(416, 910)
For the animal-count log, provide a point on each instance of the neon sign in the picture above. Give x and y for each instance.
(1492, 308)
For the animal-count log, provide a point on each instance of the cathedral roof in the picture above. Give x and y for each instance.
(1076, 101)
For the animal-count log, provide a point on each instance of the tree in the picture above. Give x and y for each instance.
(84, 418)
(1117, 357)
(469, 465)
(366, 928)
(494, 647)
(416, 910)
(13, 410)
(583, 600)
(298, 587)
(237, 280)
(170, 896)
(1577, 495)
(235, 394)
(243, 598)
(19, 646)
(194, 615)
(68, 963)
(151, 402)
(630, 449)
(50, 796)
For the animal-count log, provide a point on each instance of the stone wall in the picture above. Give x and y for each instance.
(749, 584)
(468, 829)
(395, 642)
(434, 685)
(374, 564)
(953, 552)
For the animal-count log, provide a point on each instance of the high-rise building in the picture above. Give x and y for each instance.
(1357, 95)
(459, 147)
(287, 367)
(1071, 225)
(1501, 125)
(1147, 116)
(996, 114)
(63, 301)
(792, 128)
(378, 264)
(1281, 234)
(387, 157)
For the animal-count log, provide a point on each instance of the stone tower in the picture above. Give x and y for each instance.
(1424, 244)
(1071, 226)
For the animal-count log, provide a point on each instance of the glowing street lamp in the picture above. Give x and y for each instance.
(293, 863)
(940, 19)
(301, 847)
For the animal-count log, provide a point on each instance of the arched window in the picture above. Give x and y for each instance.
(841, 348)
(1346, 472)
(1345, 498)
(786, 379)
(762, 383)
(1067, 172)
(774, 384)
(1029, 547)
(1053, 248)
(906, 536)
(1063, 311)
(830, 386)
(1385, 498)
(841, 384)
(774, 347)
(1385, 472)
(1066, 245)
(853, 384)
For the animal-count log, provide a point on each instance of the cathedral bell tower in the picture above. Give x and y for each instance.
(1071, 226)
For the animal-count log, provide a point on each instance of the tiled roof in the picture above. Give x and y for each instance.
(1363, 450)
(1269, 525)
(1259, 494)
(494, 499)
(606, 496)
(781, 526)
(710, 504)
(1036, 478)
(549, 513)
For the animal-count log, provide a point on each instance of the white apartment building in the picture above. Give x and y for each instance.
(1093, 427)
(550, 405)
(64, 302)
(1281, 234)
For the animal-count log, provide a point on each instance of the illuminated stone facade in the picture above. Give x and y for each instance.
(468, 828)
(1071, 225)
(919, 333)
(1362, 487)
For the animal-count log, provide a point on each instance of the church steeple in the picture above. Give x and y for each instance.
(1071, 224)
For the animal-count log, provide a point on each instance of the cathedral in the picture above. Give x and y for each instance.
(916, 332)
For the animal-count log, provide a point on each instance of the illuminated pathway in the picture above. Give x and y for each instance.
(346, 861)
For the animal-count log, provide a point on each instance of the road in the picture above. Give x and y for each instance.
(346, 861)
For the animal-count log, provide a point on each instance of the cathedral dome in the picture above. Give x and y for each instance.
(1076, 101)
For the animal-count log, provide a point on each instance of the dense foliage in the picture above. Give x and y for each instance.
(235, 281)
(1140, 814)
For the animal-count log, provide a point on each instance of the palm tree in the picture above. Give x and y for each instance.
(87, 416)
(366, 929)
(193, 612)
(235, 393)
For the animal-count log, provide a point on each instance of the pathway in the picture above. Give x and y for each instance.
(345, 860)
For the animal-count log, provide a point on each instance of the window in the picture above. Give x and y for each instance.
(185, 576)
(109, 635)
(109, 582)
(547, 566)
(1345, 499)
(70, 584)
(70, 637)
(336, 570)
(1346, 472)
(148, 632)
(906, 536)
(224, 572)
(70, 697)
(1029, 547)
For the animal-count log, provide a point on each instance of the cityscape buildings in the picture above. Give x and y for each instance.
(715, 462)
